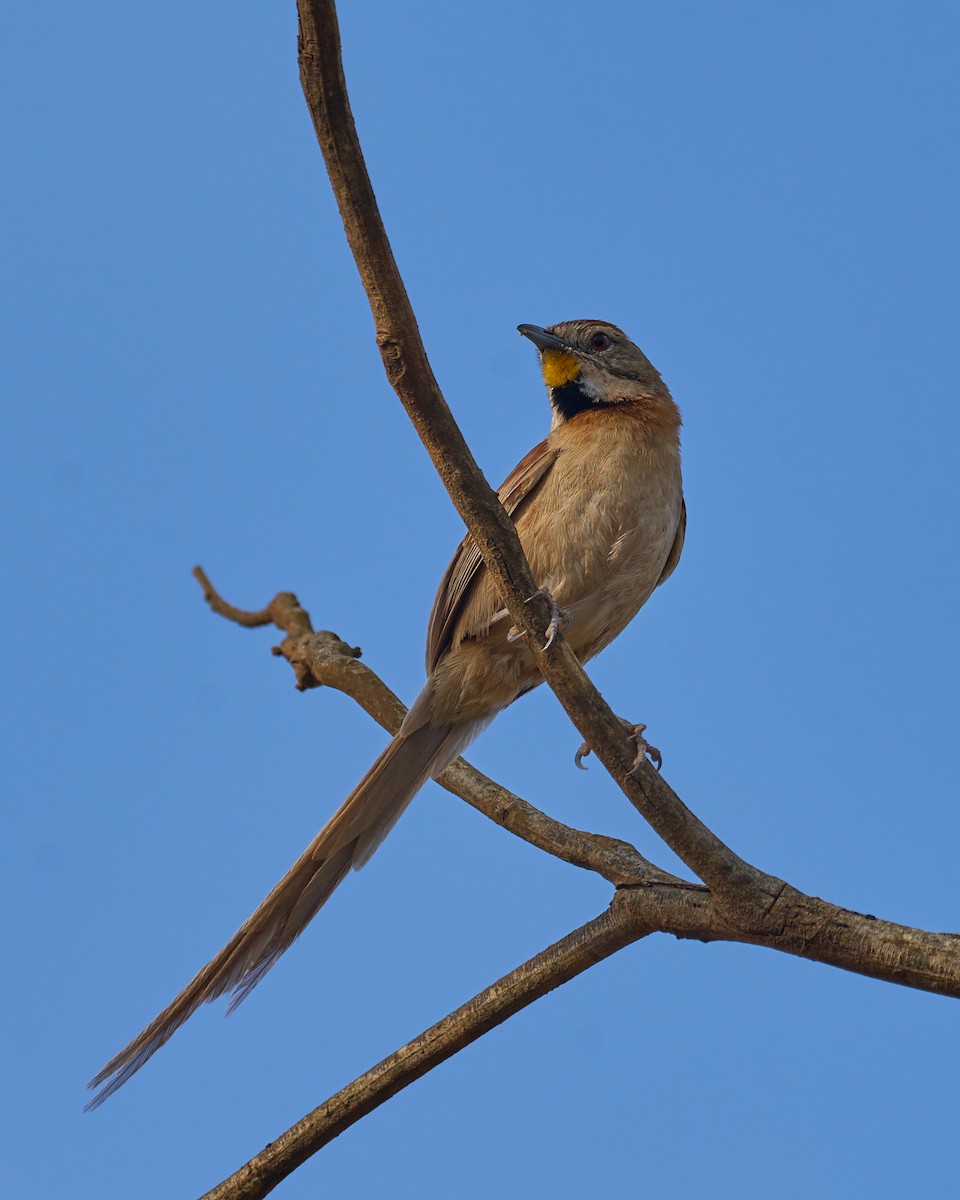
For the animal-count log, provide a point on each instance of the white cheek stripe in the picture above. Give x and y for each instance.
(591, 389)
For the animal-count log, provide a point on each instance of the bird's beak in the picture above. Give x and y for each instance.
(541, 339)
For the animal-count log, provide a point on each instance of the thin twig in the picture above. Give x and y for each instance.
(320, 658)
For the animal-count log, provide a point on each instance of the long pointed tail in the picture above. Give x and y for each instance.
(348, 840)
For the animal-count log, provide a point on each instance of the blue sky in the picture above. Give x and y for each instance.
(766, 198)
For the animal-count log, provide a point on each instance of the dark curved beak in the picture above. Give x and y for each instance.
(540, 338)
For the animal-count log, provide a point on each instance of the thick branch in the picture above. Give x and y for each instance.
(809, 928)
(812, 929)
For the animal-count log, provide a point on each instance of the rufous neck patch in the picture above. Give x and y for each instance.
(559, 368)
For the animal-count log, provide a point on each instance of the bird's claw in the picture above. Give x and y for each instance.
(559, 619)
(644, 749)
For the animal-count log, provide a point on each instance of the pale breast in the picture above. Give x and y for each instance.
(600, 534)
(597, 532)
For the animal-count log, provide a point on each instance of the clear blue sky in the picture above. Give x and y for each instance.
(766, 198)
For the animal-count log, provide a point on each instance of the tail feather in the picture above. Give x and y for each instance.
(348, 840)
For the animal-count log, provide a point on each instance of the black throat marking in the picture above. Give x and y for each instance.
(572, 399)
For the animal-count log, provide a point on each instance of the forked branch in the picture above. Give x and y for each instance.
(647, 901)
(322, 659)
(743, 888)
(739, 903)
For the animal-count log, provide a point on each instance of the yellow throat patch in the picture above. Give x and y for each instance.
(559, 368)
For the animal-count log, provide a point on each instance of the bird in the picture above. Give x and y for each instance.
(599, 510)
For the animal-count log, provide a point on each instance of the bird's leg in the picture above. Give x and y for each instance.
(559, 618)
(644, 749)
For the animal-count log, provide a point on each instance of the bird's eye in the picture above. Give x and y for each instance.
(599, 341)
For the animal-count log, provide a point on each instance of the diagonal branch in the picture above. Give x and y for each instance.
(744, 889)
(321, 658)
(687, 911)
(795, 922)
(558, 964)
(741, 903)
(647, 901)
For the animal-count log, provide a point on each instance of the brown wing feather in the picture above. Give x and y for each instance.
(460, 576)
(677, 548)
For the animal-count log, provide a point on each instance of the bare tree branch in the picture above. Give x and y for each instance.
(647, 901)
(687, 912)
(814, 930)
(796, 923)
(740, 902)
(558, 964)
(810, 928)
(321, 658)
(741, 888)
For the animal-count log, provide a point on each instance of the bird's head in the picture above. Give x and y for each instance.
(592, 364)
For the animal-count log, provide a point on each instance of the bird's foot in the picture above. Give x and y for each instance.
(644, 749)
(559, 619)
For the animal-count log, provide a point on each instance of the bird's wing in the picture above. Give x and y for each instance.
(461, 576)
(677, 548)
